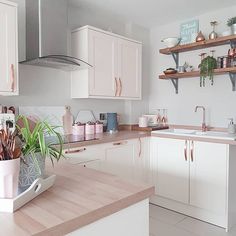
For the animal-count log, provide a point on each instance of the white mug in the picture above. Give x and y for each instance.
(143, 121)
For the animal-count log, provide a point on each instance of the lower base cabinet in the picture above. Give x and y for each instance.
(194, 178)
(128, 159)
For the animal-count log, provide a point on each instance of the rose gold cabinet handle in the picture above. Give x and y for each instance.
(120, 143)
(140, 147)
(116, 83)
(120, 91)
(75, 151)
(191, 152)
(185, 151)
(12, 78)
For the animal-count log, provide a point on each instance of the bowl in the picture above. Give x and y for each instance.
(171, 42)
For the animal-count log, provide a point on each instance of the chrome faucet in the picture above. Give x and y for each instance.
(204, 127)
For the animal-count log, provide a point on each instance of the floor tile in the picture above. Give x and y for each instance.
(203, 229)
(165, 215)
(158, 228)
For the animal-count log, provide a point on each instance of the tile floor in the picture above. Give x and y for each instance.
(168, 223)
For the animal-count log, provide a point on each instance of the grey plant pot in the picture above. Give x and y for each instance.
(29, 172)
(233, 28)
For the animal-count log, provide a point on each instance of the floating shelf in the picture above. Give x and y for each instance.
(174, 51)
(175, 77)
(199, 45)
(197, 73)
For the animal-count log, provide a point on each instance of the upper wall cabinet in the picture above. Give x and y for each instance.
(8, 49)
(116, 65)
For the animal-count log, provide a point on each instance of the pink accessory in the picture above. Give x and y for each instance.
(78, 129)
(98, 127)
(90, 128)
(9, 177)
(67, 121)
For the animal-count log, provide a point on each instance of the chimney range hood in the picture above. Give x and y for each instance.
(46, 36)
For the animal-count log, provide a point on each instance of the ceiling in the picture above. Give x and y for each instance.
(150, 13)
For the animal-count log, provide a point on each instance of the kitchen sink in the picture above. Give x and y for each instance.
(197, 133)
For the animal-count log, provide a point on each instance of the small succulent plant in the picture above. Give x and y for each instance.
(231, 21)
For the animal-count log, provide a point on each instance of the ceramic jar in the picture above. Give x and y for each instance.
(90, 128)
(78, 129)
(98, 127)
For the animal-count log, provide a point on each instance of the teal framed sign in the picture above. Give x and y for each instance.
(189, 31)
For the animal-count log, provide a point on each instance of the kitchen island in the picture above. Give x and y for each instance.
(83, 202)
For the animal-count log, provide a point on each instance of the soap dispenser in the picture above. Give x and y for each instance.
(231, 126)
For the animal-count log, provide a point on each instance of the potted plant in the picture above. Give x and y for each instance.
(9, 164)
(207, 67)
(35, 148)
(232, 23)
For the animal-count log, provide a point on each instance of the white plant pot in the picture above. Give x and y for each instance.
(233, 28)
(9, 178)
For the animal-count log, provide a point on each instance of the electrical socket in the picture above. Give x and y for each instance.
(102, 116)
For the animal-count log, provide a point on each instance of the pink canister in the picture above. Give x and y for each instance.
(98, 127)
(78, 129)
(90, 128)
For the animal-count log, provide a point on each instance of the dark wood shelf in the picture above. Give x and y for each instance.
(199, 45)
(197, 74)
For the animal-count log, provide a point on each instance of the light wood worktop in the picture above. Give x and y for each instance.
(79, 197)
(105, 138)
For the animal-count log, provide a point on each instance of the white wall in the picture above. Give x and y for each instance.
(49, 87)
(219, 99)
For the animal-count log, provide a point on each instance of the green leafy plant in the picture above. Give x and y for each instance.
(231, 21)
(33, 140)
(207, 67)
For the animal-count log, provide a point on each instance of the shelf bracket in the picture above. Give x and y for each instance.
(232, 43)
(175, 56)
(232, 77)
(175, 82)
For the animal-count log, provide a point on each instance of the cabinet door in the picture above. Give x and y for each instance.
(103, 58)
(8, 49)
(172, 169)
(130, 65)
(95, 164)
(120, 158)
(208, 176)
(141, 167)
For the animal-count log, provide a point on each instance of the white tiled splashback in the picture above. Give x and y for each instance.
(53, 115)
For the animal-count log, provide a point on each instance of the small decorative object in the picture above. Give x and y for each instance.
(9, 164)
(189, 31)
(200, 37)
(213, 34)
(78, 129)
(67, 119)
(170, 71)
(35, 148)
(98, 127)
(90, 128)
(171, 42)
(207, 66)
(188, 68)
(181, 69)
(143, 121)
(232, 24)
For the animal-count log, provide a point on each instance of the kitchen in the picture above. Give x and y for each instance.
(39, 96)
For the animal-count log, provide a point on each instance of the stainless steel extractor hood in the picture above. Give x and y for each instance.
(47, 34)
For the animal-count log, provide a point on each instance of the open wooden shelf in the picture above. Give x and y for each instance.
(199, 45)
(197, 73)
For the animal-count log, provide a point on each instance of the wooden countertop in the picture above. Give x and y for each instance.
(106, 138)
(79, 197)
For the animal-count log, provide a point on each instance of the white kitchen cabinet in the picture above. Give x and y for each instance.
(8, 49)
(195, 178)
(208, 175)
(129, 68)
(128, 159)
(120, 158)
(116, 65)
(172, 169)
